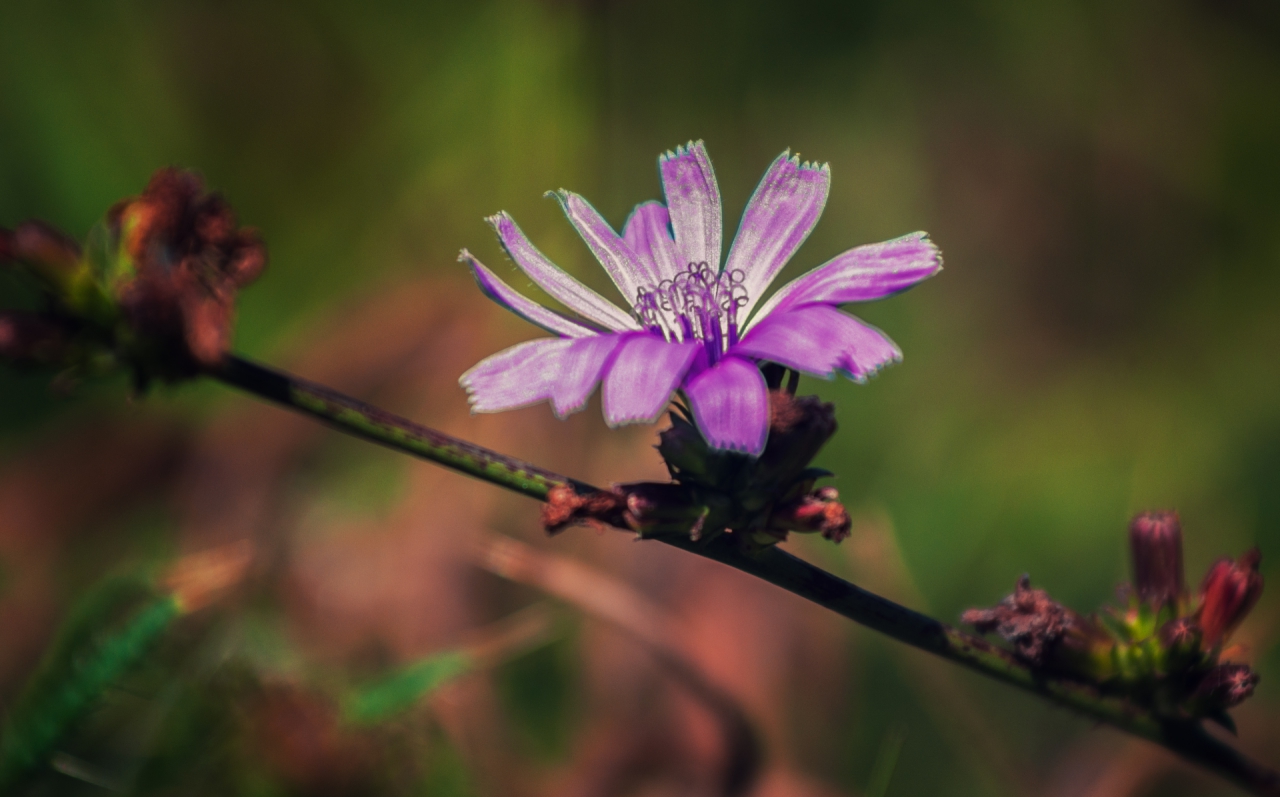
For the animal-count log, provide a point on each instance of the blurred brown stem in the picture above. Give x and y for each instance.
(778, 567)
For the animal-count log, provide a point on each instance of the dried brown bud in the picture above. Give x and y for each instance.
(1228, 593)
(1227, 685)
(189, 260)
(1028, 619)
(1155, 540)
(567, 507)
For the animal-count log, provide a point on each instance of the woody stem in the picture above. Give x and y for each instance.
(778, 567)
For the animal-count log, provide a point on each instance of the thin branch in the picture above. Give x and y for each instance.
(778, 567)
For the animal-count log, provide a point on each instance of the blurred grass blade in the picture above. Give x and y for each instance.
(886, 762)
(107, 633)
(403, 689)
(507, 638)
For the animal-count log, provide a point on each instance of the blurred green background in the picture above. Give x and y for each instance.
(1102, 178)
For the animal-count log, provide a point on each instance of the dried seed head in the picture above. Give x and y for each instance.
(188, 259)
(1028, 619)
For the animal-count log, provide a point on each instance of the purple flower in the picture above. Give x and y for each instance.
(694, 324)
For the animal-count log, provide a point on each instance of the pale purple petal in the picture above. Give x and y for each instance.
(556, 282)
(730, 403)
(780, 215)
(821, 340)
(630, 273)
(860, 275)
(648, 233)
(693, 200)
(564, 370)
(529, 310)
(645, 372)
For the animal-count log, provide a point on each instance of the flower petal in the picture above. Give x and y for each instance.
(564, 370)
(526, 308)
(693, 200)
(730, 404)
(821, 340)
(644, 374)
(860, 275)
(630, 273)
(555, 281)
(648, 233)
(781, 213)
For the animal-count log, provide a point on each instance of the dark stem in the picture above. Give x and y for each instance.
(778, 567)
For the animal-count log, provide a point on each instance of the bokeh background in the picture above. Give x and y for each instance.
(1103, 180)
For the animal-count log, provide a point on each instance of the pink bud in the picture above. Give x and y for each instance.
(1229, 591)
(1155, 539)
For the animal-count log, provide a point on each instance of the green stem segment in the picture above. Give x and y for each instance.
(778, 567)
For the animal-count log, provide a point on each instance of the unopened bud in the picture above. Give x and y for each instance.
(1180, 639)
(818, 511)
(31, 339)
(47, 252)
(655, 508)
(1155, 540)
(1226, 685)
(1228, 593)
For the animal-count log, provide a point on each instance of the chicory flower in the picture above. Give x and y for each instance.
(694, 324)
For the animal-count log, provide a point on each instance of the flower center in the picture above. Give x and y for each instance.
(698, 304)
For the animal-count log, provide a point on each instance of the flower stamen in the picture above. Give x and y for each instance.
(698, 304)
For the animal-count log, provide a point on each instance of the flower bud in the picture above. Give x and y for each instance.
(49, 254)
(1155, 540)
(32, 339)
(1180, 639)
(654, 508)
(1226, 685)
(818, 511)
(1228, 593)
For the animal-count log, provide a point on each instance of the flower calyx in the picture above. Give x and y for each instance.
(761, 499)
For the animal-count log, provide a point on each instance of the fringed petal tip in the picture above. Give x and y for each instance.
(863, 374)
(684, 149)
(922, 238)
(498, 220)
(804, 166)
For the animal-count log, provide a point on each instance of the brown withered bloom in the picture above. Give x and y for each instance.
(189, 260)
(1028, 619)
(1155, 541)
(1228, 593)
